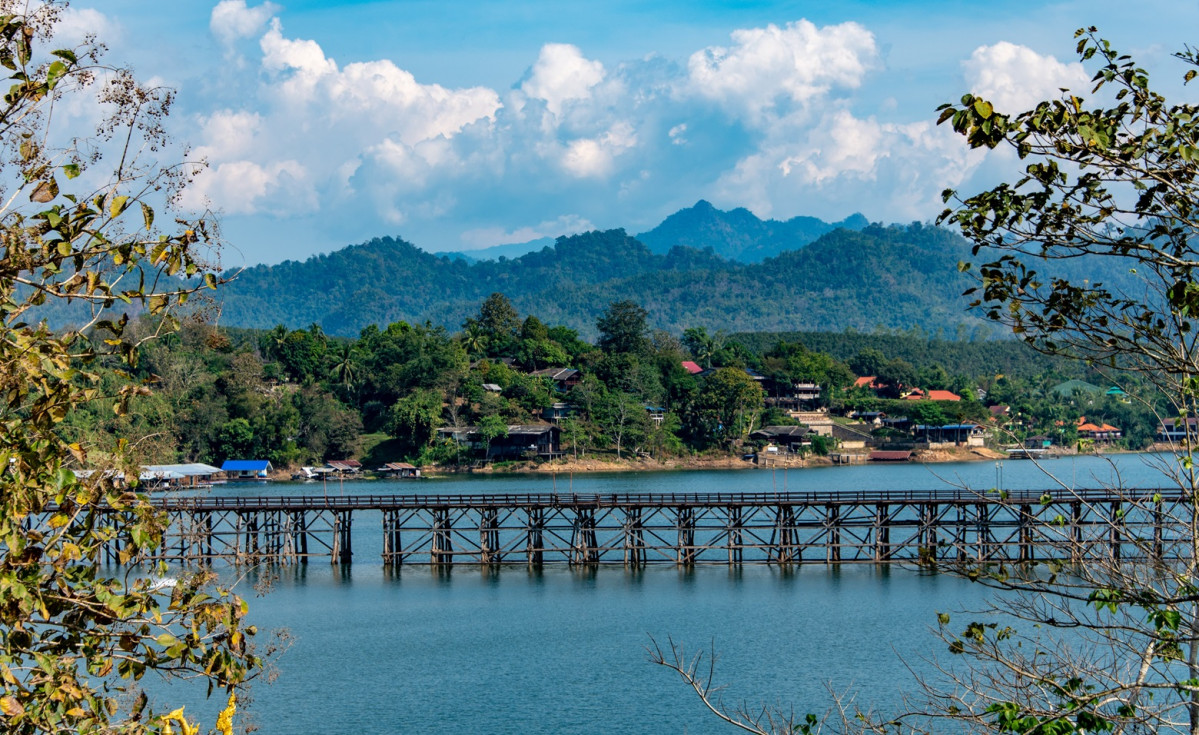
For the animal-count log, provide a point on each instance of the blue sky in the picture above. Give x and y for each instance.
(460, 125)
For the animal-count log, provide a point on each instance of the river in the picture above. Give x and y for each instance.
(563, 650)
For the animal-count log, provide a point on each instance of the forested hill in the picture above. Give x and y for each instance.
(739, 234)
(895, 277)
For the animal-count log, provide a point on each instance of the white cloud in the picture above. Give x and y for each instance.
(596, 156)
(75, 24)
(233, 20)
(796, 63)
(1015, 78)
(227, 134)
(560, 75)
(246, 187)
(840, 158)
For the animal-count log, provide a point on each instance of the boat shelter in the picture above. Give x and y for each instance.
(247, 469)
(194, 474)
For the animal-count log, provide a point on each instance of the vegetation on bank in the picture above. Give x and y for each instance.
(303, 397)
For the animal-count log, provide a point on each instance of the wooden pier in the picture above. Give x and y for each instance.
(680, 529)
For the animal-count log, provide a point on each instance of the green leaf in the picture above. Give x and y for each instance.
(983, 108)
(72, 170)
(147, 215)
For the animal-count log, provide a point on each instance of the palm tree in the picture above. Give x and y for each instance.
(474, 340)
(345, 366)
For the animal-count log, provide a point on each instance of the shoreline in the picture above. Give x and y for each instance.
(587, 465)
(584, 465)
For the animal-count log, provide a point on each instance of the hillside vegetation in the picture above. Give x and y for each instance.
(891, 277)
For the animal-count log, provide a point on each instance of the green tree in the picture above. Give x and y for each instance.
(623, 327)
(1116, 183)
(492, 428)
(414, 419)
(727, 405)
(71, 638)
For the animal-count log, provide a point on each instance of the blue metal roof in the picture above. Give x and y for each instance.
(243, 465)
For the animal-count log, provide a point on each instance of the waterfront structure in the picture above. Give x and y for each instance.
(715, 528)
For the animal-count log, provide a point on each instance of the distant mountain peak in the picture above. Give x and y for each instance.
(738, 234)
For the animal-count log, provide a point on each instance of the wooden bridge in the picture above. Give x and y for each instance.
(683, 529)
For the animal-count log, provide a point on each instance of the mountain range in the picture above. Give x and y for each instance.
(736, 235)
(700, 267)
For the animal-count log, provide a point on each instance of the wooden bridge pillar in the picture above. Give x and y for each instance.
(1159, 550)
(1026, 550)
(685, 521)
(489, 537)
(1077, 550)
(534, 542)
(299, 534)
(832, 525)
(343, 538)
(882, 532)
(1115, 524)
(928, 532)
(393, 549)
(634, 538)
(583, 546)
(786, 549)
(983, 529)
(442, 548)
(733, 531)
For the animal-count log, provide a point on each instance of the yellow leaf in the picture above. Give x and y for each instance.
(224, 721)
(11, 707)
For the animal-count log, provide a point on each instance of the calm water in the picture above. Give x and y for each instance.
(563, 651)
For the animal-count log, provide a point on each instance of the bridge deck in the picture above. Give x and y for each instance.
(693, 528)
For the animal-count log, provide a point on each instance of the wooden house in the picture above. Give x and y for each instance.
(247, 469)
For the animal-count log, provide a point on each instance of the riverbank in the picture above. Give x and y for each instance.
(585, 464)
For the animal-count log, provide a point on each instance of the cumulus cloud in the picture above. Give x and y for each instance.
(233, 20)
(1014, 78)
(76, 24)
(840, 157)
(767, 122)
(796, 63)
(562, 74)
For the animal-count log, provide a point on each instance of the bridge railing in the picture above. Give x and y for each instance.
(523, 500)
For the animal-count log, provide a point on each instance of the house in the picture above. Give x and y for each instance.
(247, 469)
(792, 437)
(557, 411)
(871, 417)
(867, 381)
(543, 440)
(657, 414)
(1176, 430)
(791, 396)
(195, 474)
(971, 435)
(492, 388)
(1102, 432)
(345, 466)
(1038, 442)
(399, 469)
(691, 367)
(563, 378)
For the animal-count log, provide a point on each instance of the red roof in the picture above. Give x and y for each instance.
(864, 381)
(691, 367)
(933, 395)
